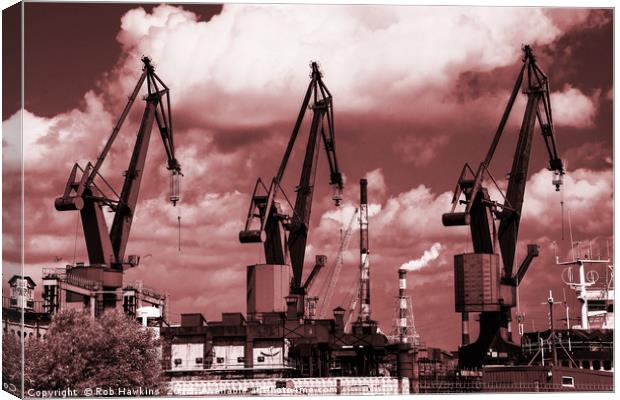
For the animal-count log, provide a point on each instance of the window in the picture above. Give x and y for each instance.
(596, 365)
(178, 361)
(585, 364)
(568, 381)
(260, 359)
(607, 365)
(198, 360)
(219, 360)
(240, 359)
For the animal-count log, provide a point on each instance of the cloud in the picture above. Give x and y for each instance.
(360, 49)
(376, 184)
(587, 196)
(419, 150)
(572, 108)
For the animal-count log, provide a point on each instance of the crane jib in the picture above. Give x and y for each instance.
(87, 191)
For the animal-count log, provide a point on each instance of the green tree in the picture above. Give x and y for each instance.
(11, 363)
(80, 352)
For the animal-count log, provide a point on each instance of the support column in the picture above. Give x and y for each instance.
(465, 328)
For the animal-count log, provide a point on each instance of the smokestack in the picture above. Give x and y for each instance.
(364, 314)
(402, 309)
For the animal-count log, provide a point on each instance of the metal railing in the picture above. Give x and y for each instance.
(574, 345)
(62, 275)
(31, 305)
(139, 287)
(508, 387)
(81, 282)
(54, 273)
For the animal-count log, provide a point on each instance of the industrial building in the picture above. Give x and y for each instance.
(68, 289)
(79, 287)
(21, 300)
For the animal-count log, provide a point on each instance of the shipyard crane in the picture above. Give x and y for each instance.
(88, 192)
(480, 284)
(352, 306)
(332, 279)
(284, 236)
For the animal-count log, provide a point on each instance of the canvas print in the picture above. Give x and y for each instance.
(306, 199)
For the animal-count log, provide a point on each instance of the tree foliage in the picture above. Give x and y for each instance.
(80, 352)
(11, 363)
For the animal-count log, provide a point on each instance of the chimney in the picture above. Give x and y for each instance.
(402, 300)
(364, 314)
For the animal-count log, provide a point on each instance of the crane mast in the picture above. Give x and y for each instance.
(90, 192)
(496, 294)
(284, 237)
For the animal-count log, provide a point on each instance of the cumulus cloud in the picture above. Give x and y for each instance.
(419, 150)
(376, 184)
(572, 108)
(587, 196)
(360, 49)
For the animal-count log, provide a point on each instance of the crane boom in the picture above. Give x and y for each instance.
(85, 195)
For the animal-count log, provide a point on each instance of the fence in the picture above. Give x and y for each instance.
(31, 305)
(292, 386)
(508, 387)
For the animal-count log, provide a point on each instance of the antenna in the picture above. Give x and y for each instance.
(607, 245)
(551, 302)
(562, 211)
(570, 230)
(567, 309)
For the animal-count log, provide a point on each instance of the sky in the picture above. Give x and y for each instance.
(418, 92)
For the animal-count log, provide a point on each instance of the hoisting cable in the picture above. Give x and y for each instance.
(562, 211)
(179, 222)
(77, 216)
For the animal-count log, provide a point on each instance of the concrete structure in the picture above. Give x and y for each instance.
(267, 286)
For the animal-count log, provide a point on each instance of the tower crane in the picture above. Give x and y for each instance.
(332, 279)
(284, 236)
(88, 192)
(352, 306)
(480, 284)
